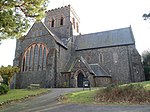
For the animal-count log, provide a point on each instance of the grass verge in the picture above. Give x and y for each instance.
(80, 97)
(133, 93)
(19, 94)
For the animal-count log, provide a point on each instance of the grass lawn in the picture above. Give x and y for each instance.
(145, 84)
(88, 96)
(80, 97)
(16, 94)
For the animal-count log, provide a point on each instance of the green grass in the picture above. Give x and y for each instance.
(88, 96)
(17, 94)
(80, 97)
(145, 84)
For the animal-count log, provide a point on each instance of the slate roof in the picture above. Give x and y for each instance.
(83, 61)
(94, 69)
(87, 65)
(123, 36)
(98, 70)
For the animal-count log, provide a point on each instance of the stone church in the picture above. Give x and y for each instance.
(56, 54)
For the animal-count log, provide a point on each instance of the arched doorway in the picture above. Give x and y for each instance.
(80, 80)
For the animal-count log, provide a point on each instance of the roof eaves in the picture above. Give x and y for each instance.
(96, 64)
(80, 49)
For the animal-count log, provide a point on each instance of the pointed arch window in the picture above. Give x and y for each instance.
(61, 21)
(31, 59)
(23, 64)
(101, 60)
(40, 59)
(77, 25)
(27, 60)
(34, 58)
(52, 25)
(73, 20)
(115, 57)
(44, 59)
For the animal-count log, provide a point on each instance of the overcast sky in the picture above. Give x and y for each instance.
(97, 16)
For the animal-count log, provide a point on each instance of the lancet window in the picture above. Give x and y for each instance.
(34, 58)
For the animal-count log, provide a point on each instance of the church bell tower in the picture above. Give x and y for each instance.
(63, 22)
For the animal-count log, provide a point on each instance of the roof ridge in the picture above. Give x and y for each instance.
(117, 37)
(104, 31)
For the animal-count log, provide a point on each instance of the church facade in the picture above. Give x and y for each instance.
(56, 54)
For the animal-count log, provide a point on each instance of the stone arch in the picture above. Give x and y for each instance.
(34, 57)
(62, 20)
(79, 77)
(53, 23)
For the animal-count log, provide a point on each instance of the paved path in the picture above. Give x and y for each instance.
(96, 108)
(38, 103)
(48, 103)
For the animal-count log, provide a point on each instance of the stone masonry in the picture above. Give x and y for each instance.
(55, 54)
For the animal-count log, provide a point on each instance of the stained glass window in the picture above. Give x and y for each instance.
(31, 59)
(27, 61)
(35, 58)
(40, 59)
(44, 59)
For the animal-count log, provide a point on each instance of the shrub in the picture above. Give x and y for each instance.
(3, 89)
(132, 93)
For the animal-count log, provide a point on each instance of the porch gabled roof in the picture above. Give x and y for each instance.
(94, 69)
(98, 70)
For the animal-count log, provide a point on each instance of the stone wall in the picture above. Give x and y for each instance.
(23, 80)
(43, 77)
(137, 67)
(102, 81)
(115, 60)
(123, 63)
(66, 30)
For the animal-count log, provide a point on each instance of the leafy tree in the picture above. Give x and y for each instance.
(146, 63)
(146, 16)
(15, 16)
(8, 72)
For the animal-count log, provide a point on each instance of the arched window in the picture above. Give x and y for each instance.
(44, 59)
(77, 27)
(115, 57)
(31, 59)
(52, 25)
(40, 59)
(27, 61)
(35, 57)
(101, 58)
(73, 20)
(23, 64)
(61, 21)
(37, 32)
